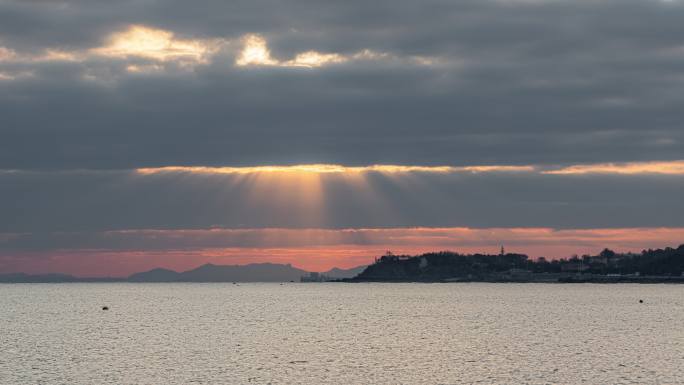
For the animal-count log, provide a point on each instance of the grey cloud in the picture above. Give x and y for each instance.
(351, 115)
(414, 27)
(517, 82)
(83, 201)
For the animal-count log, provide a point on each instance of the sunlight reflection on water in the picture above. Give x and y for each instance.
(340, 333)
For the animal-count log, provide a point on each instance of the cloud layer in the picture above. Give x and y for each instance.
(150, 84)
(252, 115)
(319, 197)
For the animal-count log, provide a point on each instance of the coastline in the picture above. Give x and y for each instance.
(558, 280)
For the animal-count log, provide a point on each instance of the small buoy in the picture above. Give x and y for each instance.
(105, 307)
(641, 301)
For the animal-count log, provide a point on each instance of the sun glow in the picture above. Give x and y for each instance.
(657, 168)
(331, 169)
(669, 168)
(255, 52)
(147, 49)
(315, 59)
(6, 54)
(58, 55)
(155, 44)
(316, 249)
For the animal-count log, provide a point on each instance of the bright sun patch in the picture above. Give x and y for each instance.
(255, 52)
(155, 44)
(332, 168)
(316, 59)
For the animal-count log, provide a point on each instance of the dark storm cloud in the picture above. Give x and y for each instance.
(512, 82)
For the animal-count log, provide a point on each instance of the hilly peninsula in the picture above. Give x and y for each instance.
(648, 266)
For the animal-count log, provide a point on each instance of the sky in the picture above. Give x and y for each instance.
(142, 134)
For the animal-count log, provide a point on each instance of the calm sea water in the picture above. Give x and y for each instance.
(341, 333)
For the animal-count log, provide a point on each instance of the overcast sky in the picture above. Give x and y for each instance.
(577, 106)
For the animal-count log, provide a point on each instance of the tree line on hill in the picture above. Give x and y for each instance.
(447, 264)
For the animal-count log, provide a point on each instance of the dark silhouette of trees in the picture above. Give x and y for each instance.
(447, 264)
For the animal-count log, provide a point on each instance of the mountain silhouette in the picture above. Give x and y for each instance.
(51, 278)
(256, 272)
(155, 275)
(344, 273)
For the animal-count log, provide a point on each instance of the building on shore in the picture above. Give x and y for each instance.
(315, 277)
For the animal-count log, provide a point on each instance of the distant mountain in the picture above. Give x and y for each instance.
(155, 275)
(27, 278)
(49, 278)
(344, 273)
(257, 272)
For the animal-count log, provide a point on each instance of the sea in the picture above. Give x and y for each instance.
(341, 333)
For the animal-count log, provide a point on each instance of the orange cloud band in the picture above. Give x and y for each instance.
(329, 169)
(628, 168)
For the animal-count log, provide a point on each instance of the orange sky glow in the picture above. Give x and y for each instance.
(322, 249)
